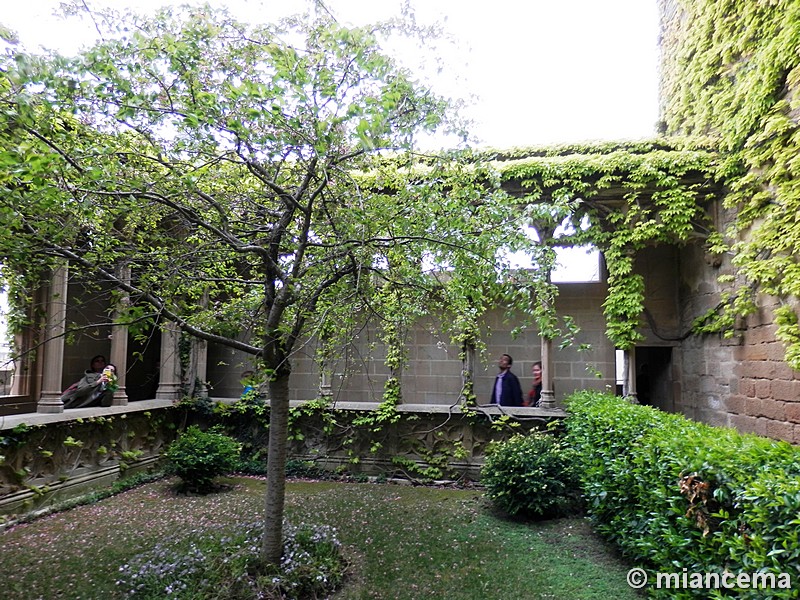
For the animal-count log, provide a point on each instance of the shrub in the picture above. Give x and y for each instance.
(531, 475)
(674, 494)
(251, 463)
(198, 457)
(223, 563)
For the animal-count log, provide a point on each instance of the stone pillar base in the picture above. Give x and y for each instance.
(120, 398)
(168, 391)
(49, 403)
(548, 399)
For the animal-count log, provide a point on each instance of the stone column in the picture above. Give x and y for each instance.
(169, 386)
(119, 341)
(198, 369)
(52, 349)
(629, 387)
(200, 366)
(548, 399)
(24, 368)
(325, 381)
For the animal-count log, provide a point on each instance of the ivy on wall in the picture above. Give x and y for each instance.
(732, 71)
(617, 196)
(625, 197)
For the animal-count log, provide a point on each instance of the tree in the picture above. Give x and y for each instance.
(240, 173)
(214, 159)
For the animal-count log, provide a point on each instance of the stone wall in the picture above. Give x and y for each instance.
(708, 362)
(766, 400)
(419, 442)
(742, 380)
(422, 444)
(433, 374)
(45, 459)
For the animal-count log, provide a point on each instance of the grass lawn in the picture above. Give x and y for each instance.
(402, 542)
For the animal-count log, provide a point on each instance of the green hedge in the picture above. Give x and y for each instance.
(674, 494)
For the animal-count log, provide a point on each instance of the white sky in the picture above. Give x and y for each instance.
(539, 71)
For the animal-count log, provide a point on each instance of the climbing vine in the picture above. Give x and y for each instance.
(660, 190)
(734, 75)
(620, 197)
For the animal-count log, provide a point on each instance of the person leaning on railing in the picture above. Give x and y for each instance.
(95, 388)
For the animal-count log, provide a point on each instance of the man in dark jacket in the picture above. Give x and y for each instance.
(506, 390)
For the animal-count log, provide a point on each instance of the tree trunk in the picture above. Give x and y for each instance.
(272, 541)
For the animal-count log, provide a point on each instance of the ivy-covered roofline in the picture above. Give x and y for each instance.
(619, 196)
(644, 146)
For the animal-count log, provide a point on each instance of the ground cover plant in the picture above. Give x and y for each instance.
(224, 563)
(401, 542)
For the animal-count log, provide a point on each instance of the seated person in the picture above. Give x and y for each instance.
(95, 388)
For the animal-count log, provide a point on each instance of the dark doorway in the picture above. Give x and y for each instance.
(144, 354)
(654, 377)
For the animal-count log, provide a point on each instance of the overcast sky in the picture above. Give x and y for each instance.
(540, 71)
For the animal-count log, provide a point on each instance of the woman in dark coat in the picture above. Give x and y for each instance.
(95, 388)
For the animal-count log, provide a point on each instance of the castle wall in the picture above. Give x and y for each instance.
(740, 380)
(721, 76)
(766, 400)
(707, 362)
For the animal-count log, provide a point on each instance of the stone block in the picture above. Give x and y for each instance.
(755, 352)
(793, 412)
(712, 403)
(777, 352)
(746, 387)
(753, 407)
(784, 371)
(780, 430)
(773, 409)
(763, 388)
(786, 390)
(758, 369)
(708, 384)
(745, 423)
(735, 404)
(562, 370)
(762, 334)
(447, 399)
